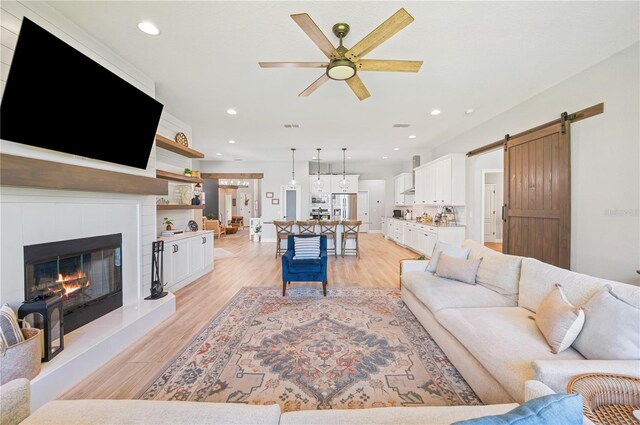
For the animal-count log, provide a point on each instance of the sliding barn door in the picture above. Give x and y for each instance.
(537, 193)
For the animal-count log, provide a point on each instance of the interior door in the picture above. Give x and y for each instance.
(363, 210)
(489, 216)
(537, 195)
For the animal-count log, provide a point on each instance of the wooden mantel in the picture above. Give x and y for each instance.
(20, 171)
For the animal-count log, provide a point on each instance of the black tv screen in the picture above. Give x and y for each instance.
(57, 98)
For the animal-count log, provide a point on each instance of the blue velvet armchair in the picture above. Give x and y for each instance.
(304, 270)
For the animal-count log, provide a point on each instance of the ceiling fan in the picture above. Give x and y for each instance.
(344, 63)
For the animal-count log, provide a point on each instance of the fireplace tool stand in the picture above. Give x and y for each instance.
(157, 249)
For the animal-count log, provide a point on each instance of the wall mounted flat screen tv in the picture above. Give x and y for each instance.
(57, 98)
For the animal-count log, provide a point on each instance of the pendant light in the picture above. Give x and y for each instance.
(293, 167)
(318, 184)
(344, 183)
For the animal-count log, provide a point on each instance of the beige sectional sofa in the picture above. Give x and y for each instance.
(488, 330)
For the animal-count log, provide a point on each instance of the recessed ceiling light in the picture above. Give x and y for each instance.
(348, 157)
(313, 157)
(148, 28)
(385, 157)
(412, 136)
(232, 141)
(218, 154)
(231, 111)
(469, 111)
(396, 149)
(435, 112)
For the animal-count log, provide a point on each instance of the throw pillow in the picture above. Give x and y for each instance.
(450, 250)
(10, 333)
(458, 268)
(559, 321)
(608, 318)
(556, 409)
(306, 248)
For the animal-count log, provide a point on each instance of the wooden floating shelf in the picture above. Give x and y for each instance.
(21, 171)
(170, 145)
(179, 207)
(177, 177)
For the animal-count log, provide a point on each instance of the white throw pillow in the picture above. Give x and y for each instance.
(450, 250)
(10, 333)
(611, 328)
(459, 269)
(306, 248)
(559, 321)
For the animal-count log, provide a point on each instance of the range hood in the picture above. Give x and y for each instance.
(416, 164)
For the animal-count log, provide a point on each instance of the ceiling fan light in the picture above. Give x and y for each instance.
(341, 69)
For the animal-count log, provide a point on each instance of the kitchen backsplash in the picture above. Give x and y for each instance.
(461, 214)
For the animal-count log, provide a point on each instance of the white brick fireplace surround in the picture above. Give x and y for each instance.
(33, 216)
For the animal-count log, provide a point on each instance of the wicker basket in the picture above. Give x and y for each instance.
(24, 359)
(608, 398)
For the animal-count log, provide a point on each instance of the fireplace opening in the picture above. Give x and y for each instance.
(86, 273)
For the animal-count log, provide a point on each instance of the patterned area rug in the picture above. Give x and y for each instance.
(355, 348)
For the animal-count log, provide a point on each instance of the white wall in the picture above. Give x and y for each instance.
(605, 153)
(377, 198)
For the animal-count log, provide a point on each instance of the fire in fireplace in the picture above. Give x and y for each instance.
(86, 273)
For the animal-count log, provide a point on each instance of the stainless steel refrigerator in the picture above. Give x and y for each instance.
(344, 206)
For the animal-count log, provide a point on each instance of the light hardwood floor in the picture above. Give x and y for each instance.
(496, 246)
(130, 373)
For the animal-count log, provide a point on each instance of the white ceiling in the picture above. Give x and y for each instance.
(489, 56)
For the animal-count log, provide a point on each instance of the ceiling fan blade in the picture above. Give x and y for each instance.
(388, 65)
(305, 22)
(293, 64)
(385, 31)
(358, 87)
(317, 83)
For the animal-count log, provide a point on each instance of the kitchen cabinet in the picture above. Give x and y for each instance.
(422, 238)
(402, 182)
(442, 181)
(325, 185)
(352, 179)
(383, 226)
(186, 257)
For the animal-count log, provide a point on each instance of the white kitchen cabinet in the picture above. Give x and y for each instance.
(186, 257)
(402, 182)
(352, 179)
(422, 238)
(383, 226)
(325, 185)
(442, 181)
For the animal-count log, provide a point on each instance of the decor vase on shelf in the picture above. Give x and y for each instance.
(187, 172)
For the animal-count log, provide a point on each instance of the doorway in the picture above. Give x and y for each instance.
(290, 196)
(492, 201)
(363, 210)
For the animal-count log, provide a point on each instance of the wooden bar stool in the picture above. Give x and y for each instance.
(283, 230)
(350, 230)
(330, 229)
(307, 227)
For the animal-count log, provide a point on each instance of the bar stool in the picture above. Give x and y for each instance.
(307, 227)
(350, 230)
(283, 230)
(330, 230)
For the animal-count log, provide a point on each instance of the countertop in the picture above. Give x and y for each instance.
(184, 235)
(425, 224)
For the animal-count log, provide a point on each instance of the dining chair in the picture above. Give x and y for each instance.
(330, 229)
(307, 227)
(350, 230)
(283, 230)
